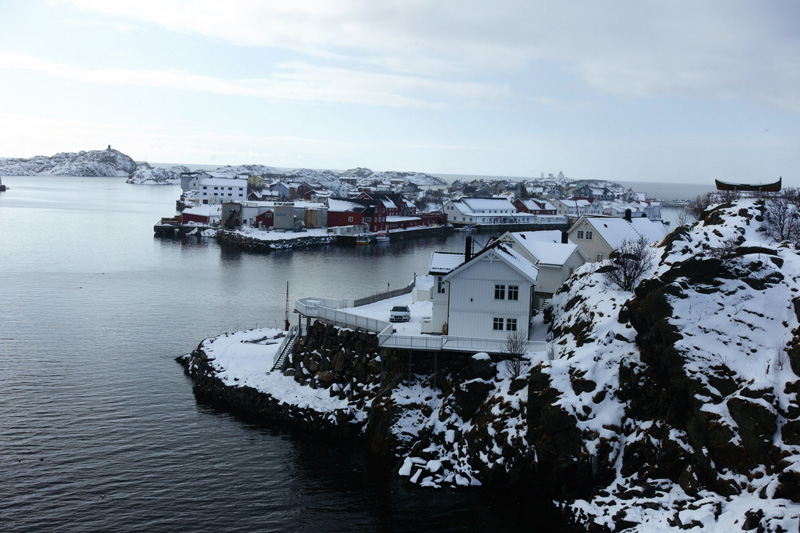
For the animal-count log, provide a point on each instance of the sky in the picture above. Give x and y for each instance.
(630, 90)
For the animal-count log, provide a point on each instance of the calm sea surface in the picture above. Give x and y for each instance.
(99, 430)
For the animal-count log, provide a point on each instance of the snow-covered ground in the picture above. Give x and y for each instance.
(244, 359)
(275, 235)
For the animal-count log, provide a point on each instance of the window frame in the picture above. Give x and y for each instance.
(499, 290)
(512, 293)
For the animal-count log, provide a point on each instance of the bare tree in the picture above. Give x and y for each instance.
(628, 263)
(682, 218)
(516, 345)
(781, 219)
(700, 204)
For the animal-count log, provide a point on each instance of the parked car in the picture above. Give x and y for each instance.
(400, 313)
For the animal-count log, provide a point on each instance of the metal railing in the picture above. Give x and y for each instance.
(351, 320)
(286, 345)
(309, 306)
(448, 343)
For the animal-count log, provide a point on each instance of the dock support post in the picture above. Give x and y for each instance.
(410, 357)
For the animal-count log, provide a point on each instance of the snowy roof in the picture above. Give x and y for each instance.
(488, 204)
(222, 175)
(551, 235)
(203, 210)
(509, 256)
(551, 253)
(335, 204)
(616, 230)
(444, 262)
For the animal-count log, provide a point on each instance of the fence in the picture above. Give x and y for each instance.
(384, 295)
(455, 344)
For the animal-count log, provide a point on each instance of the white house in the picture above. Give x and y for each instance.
(599, 236)
(556, 259)
(472, 211)
(487, 296)
(638, 208)
(575, 208)
(213, 190)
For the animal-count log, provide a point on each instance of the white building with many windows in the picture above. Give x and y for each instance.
(487, 296)
(472, 211)
(213, 190)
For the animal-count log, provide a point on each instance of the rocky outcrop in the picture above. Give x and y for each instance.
(147, 174)
(99, 163)
(692, 396)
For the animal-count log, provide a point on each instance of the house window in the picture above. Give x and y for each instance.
(513, 292)
(497, 324)
(439, 285)
(204, 187)
(349, 219)
(511, 324)
(588, 235)
(499, 292)
(600, 257)
(580, 234)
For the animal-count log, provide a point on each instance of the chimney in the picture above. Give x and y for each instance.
(564, 237)
(468, 249)
(628, 215)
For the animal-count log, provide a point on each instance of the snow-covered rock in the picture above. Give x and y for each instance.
(105, 163)
(147, 174)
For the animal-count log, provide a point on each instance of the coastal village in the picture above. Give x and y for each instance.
(478, 299)
(575, 351)
(542, 359)
(372, 208)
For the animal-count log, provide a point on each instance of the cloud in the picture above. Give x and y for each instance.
(715, 49)
(293, 81)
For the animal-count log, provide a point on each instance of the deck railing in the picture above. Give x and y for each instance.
(455, 344)
(351, 320)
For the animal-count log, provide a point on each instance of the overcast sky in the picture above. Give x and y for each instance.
(679, 91)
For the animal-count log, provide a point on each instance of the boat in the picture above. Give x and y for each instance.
(362, 239)
(775, 186)
(2, 187)
(381, 236)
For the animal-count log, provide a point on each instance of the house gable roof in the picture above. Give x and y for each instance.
(501, 251)
(614, 230)
(445, 262)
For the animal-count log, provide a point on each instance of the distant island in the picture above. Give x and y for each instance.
(113, 163)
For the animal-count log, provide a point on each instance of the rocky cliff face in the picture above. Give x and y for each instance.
(97, 163)
(678, 405)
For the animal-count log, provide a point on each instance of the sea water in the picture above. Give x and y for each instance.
(99, 429)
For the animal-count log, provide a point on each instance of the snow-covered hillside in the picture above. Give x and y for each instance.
(108, 162)
(678, 405)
